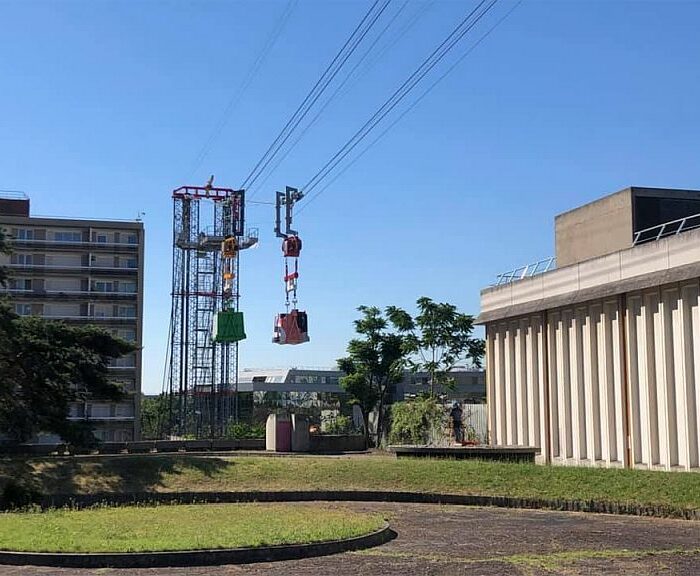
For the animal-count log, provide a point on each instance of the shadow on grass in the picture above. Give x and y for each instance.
(29, 478)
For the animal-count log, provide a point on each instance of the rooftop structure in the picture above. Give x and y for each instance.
(597, 362)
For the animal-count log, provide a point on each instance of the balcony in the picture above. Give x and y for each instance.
(90, 319)
(99, 418)
(71, 294)
(82, 245)
(58, 269)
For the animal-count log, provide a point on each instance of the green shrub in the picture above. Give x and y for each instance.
(240, 430)
(16, 495)
(419, 421)
(338, 425)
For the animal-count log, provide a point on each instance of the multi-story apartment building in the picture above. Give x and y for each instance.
(82, 272)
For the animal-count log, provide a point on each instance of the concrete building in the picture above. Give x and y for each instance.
(469, 386)
(597, 362)
(82, 272)
(317, 393)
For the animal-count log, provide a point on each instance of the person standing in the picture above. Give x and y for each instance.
(456, 416)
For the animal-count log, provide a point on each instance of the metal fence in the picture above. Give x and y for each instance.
(667, 229)
(526, 271)
(475, 423)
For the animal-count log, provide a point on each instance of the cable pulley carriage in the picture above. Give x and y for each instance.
(291, 327)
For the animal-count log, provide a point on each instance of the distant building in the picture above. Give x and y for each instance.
(321, 387)
(597, 361)
(469, 386)
(82, 272)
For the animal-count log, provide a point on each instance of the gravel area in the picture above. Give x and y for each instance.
(456, 540)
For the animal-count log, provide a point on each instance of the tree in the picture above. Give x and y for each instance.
(4, 249)
(155, 416)
(46, 365)
(374, 362)
(437, 340)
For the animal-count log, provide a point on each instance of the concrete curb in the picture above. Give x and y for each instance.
(197, 557)
(593, 506)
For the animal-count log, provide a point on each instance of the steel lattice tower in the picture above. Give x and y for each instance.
(202, 375)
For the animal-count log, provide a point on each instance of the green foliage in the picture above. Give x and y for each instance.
(155, 413)
(338, 425)
(45, 365)
(437, 339)
(374, 362)
(420, 421)
(18, 495)
(240, 430)
(4, 249)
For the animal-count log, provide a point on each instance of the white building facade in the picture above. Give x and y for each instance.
(598, 363)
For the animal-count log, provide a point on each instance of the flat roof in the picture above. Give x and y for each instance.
(76, 222)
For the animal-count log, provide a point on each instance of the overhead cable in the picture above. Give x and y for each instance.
(317, 90)
(467, 24)
(411, 107)
(332, 97)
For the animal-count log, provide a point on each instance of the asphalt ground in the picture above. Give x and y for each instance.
(461, 540)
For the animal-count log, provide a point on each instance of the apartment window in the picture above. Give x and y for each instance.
(64, 260)
(24, 259)
(67, 236)
(132, 239)
(99, 410)
(128, 335)
(126, 312)
(101, 286)
(102, 238)
(20, 284)
(23, 309)
(25, 234)
(63, 284)
(62, 310)
(127, 287)
(124, 410)
(131, 263)
(128, 361)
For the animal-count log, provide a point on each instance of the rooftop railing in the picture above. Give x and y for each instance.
(526, 271)
(13, 195)
(671, 228)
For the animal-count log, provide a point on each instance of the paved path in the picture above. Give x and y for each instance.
(459, 540)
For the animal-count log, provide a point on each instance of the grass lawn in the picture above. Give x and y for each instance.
(175, 473)
(151, 528)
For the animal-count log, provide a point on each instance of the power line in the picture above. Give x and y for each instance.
(315, 93)
(428, 64)
(392, 42)
(433, 59)
(328, 101)
(411, 107)
(253, 71)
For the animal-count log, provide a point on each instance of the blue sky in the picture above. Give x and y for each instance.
(105, 105)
